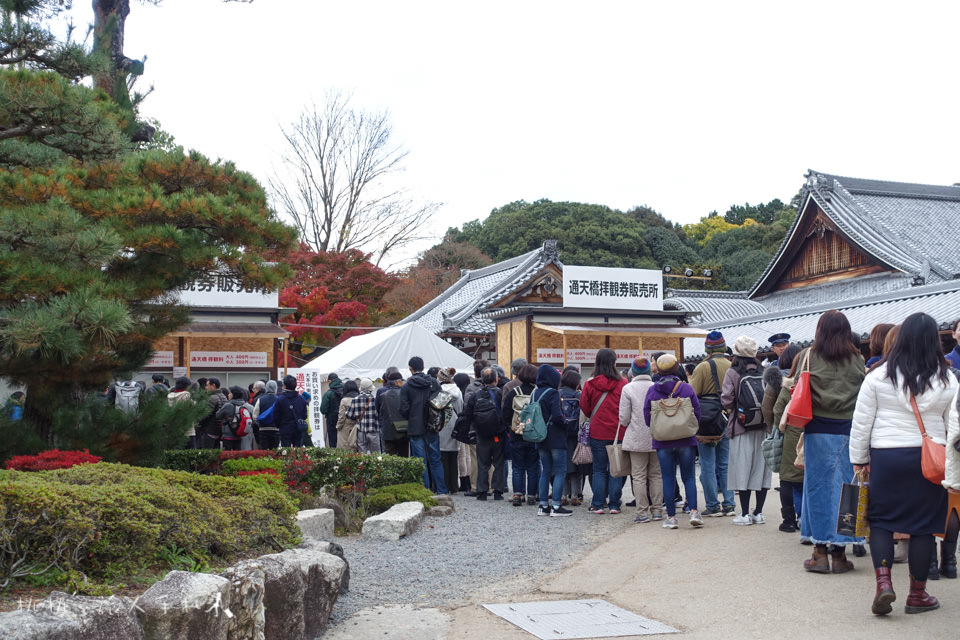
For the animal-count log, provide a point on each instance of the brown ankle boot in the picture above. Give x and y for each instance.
(818, 563)
(885, 594)
(840, 562)
(918, 600)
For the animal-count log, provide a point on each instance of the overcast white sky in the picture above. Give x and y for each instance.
(686, 107)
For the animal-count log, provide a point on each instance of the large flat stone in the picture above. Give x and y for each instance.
(316, 523)
(186, 605)
(66, 617)
(398, 521)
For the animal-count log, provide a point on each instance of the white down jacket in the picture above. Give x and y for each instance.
(884, 419)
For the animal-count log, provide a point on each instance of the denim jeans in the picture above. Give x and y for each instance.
(669, 460)
(602, 483)
(526, 467)
(433, 467)
(554, 463)
(714, 462)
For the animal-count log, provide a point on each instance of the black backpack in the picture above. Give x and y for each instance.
(713, 421)
(486, 413)
(749, 399)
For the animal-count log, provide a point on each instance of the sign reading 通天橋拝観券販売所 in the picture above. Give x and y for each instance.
(612, 288)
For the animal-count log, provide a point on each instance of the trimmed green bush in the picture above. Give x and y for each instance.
(379, 500)
(101, 518)
(233, 467)
(339, 468)
(193, 460)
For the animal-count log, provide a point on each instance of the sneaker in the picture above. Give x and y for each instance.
(670, 523)
(686, 507)
(743, 520)
(715, 512)
(543, 511)
(678, 504)
(657, 516)
(642, 518)
(758, 518)
(481, 496)
(632, 503)
(729, 510)
(597, 510)
(788, 526)
(560, 512)
(695, 519)
(498, 495)
(517, 500)
(614, 512)
(531, 500)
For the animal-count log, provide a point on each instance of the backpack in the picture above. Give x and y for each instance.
(242, 422)
(128, 396)
(570, 408)
(486, 414)
(713, 421)
(439, 411)
(531, 418)
(265, 418)
(519, 402)
(749, 399)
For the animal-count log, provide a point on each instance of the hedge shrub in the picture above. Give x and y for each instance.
(192, 460)
(379, 500)
(235, 466)
(101, 518)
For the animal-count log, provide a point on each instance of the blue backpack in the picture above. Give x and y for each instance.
(570, 408)
(265, 418)
(534, 426)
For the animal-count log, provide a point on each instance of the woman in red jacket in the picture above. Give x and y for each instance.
(603, 390)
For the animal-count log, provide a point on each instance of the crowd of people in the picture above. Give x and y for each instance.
(556, 432)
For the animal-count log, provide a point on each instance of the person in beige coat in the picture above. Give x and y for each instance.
(644, 467)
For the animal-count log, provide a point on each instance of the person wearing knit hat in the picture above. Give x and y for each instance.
(445, 376)
(644, 466)
(667, 364)
(640, 367)
(748, 472)
(713, 443)
(362, 411)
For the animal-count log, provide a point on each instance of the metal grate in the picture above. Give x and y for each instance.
(577, 619)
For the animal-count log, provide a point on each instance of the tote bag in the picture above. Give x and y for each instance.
(800, 408)
(619, 459)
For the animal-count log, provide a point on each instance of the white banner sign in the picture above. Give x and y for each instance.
(207, 359)
(588, 356)
(309, 380)
(225, 291)
(161, 359)
(608, 288)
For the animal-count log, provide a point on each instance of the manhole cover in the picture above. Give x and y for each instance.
(577, 619)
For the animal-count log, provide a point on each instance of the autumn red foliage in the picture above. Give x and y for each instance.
(52, 459)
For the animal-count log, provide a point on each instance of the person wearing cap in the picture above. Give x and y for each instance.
(269, 434)
(748, 472)
(714, 450)
(778, 342)
(363, 410)
(387, 403)
(644, 466)
(674, 453)
(330, 407)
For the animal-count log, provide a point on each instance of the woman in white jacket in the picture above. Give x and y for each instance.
(885, 442)
(645, 476)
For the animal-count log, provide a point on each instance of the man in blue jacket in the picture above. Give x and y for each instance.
(414, 398)
(291, 408)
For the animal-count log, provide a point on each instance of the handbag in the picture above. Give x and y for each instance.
(800, 408)
(798, 462)
(672, 418)
(933, 456)
(852, 513)
(772, 447)
(619, 459)
(582, 454)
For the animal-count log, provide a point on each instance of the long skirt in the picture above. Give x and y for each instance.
(900, 498)
(827, 467)
(747, 471)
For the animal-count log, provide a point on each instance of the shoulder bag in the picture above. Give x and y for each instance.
(800, 408)
(712, 421)
(933, 456)
(672, 418)
(619, 459)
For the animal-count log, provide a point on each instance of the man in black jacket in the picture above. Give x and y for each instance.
(414, 397)
(484, 411)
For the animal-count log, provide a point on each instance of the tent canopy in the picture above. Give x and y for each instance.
(369, 355)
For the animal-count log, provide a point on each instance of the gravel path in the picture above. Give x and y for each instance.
(482, 547)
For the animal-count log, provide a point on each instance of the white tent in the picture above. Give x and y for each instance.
(369, 355)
